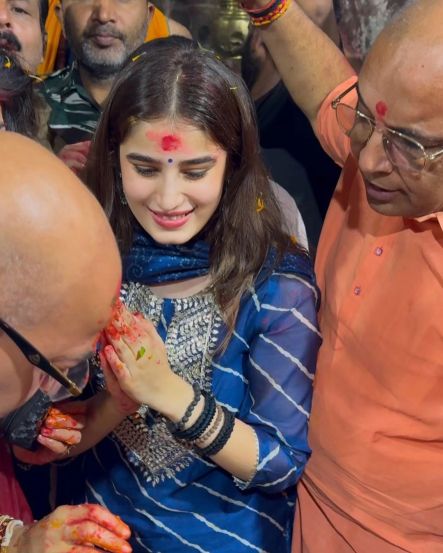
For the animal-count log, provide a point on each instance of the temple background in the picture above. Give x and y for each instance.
(217, 25)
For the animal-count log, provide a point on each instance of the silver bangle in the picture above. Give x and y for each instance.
(9, 531)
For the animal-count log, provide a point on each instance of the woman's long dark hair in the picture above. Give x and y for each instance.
(173, 78)
(16, 97)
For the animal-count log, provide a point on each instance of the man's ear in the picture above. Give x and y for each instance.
(151, 10)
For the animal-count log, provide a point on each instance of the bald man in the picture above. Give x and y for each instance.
(374, 483)
(59, 276)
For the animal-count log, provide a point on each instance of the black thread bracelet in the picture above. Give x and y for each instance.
(180, 425)
(222, 438)
(218, 418)
(202, 423)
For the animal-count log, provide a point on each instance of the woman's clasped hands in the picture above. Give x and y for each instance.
(137, 357)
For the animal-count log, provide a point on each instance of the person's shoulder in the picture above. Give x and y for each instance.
(292, 278)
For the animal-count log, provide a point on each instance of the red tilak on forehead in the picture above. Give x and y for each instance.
(166, 142)
(171, 143)
(381, 108)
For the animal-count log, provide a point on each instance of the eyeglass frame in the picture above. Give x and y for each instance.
(427, 157)
(38, 360)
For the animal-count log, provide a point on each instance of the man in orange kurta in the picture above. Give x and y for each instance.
(375, 480)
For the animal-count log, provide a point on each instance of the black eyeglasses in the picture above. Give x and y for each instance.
(70, 379)
(402, 150)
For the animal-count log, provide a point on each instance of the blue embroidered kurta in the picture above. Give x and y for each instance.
(173, 500)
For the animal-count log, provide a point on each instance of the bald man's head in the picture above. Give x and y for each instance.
(59, 263)
(400, 86)
(418, 23)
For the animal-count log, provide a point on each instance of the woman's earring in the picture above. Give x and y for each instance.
(121, 194)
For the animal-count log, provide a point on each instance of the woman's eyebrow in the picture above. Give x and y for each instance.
(141, 157)
(199, 160)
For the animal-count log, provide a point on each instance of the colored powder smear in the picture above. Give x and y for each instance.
(170, 143)
(120, 327)
(381, 109)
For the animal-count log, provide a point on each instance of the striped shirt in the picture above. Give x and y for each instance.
(74, 114)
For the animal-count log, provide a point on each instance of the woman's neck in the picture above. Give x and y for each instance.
(182, 289)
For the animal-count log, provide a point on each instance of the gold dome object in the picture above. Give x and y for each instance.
(230, 29)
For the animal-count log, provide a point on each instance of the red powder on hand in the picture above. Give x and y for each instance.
(113, 333)
(122, 325)
(117, 310)
(381, 109)
(170, 143)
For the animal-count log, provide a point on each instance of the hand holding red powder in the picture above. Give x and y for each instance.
(74, 529)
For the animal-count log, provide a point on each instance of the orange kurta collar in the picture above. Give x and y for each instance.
(438, 215)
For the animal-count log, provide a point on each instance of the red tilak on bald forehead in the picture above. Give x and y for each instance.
(381, 108)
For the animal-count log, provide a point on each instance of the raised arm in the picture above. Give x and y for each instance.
(322, 14)
(309, 62)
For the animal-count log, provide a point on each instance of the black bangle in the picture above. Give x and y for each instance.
(202, 423)
(180, 425)
(223, 436)
(214, 427)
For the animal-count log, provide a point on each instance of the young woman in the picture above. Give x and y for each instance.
(224, 372)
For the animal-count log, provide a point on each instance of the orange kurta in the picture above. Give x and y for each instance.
(158, 28)
(375, 480)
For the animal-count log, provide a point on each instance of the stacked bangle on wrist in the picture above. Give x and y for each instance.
(213, 420)
(7, 527)
(201, 424)
(268, 13)
(4, 521)
(222, 437)
(180, 425)
(212, 429)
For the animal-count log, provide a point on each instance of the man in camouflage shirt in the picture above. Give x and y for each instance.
(100, 35)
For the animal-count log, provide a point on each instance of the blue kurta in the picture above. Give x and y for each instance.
(175, 501)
